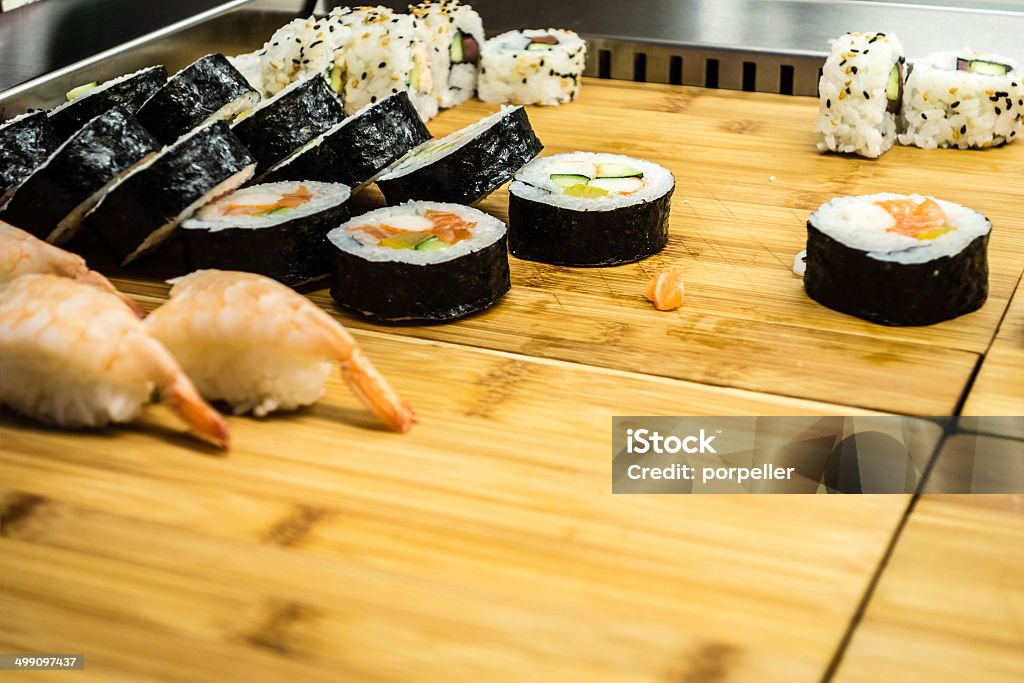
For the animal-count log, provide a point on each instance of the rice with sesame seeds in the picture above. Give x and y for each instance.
(856, 111)
(532, 67)
(454, 33)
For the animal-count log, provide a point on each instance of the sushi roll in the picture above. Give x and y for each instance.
(965, 100)
(419, 262)
(532, 67)
(145, 206)
(206, 90)
(298, 50)
(88, 101)
(25, 143)
(288, 120)
(466, 165)
(73, 355)
(860, 93)
(454, 33)
(52, 202)
(584, 209)
(359, 148)
(385, 55)
(257, 345)
(278, 230)
(897, 260)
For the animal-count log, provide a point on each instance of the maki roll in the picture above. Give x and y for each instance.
(454, 33)
(52, 202)
(277, 229)
(144, 207)
(897, 260)
(532, 67)
(584, 209)
(385, 55)
(288, 120)
(88, 101)
(466, 165)
(25, 143)
(965, 100)
(208, 89)
(860, 93)
(357, 149)
(420, 261)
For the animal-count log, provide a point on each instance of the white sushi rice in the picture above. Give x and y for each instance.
(298, 50)
(438, 23)
(383, 50)
(853, 116)
(214, 216)
(250, 65)
(944, 107)
(486, 232)
(533, 181)
(511, 73)
(860, 223)
(434, 150)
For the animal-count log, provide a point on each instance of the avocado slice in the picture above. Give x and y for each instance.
(75, 93)
(335, 79)
(568, 179)
(983, 67)
(585, 191)
(456, 50)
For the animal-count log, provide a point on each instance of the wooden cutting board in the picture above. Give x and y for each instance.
(486, 544)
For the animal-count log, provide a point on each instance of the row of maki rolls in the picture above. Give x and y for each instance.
(872, 98)
(436, 52)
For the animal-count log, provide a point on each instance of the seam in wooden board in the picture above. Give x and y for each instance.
(984, 357)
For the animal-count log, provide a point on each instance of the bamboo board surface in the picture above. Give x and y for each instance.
(485, 545)
(998, 390)
(950, 604)
(747, 322)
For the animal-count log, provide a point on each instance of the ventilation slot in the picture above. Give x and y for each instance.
(604, 64)
(786, 79)
(711, 73)
(675, 70)
(749, 76)
(640, 67)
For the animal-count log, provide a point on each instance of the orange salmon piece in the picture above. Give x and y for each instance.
(666, 290)
(287, 201)
(915, 220)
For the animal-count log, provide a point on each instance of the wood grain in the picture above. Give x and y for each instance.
(997, 395)
(485, 544)
(747, 322)
(950, 604)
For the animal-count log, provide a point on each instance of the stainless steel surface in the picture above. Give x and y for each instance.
(764, 45)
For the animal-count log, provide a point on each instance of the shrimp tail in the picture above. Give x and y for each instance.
(91, 277)
(182, 398)
(375, 392)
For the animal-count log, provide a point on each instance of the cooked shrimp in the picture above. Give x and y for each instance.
(75, 356)
(260, 346)
(665, 290)
(21, 254)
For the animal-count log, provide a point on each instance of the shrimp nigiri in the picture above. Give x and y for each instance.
(256, 344)
(73, 355)
(22, 253)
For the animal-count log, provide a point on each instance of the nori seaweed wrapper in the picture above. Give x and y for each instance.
(297, 116)
(292, 252)
(899, 294)
(192, 96)
(472, 171)
(566, 237)
(25, 143)
(366, 145)
(389, 291)
(97, 154)
(155, 195)
(129, 94)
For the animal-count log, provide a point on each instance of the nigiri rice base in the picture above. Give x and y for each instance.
(256, 379)
(51, 390)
